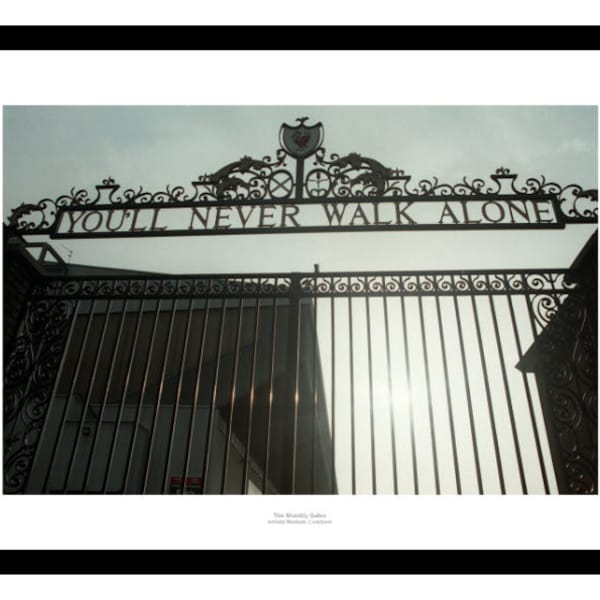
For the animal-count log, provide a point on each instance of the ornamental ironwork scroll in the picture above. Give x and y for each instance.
(310, 285)
(301, 189)
(30, 373)
(565, 361)
(230, 286)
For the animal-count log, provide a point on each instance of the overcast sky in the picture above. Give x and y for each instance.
(49, 150)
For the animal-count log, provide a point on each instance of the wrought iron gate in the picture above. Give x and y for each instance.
(324, 383)
(352, 383)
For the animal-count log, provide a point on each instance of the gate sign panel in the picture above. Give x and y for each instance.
(302, 190)
(219, 218)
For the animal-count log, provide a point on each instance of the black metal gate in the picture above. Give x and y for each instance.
(324, 383)
(307, 383)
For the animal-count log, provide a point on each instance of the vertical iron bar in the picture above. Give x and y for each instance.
(113, 443)
(372, 411)
(507, 391)
(69, 394)
(178, 399)
(159, 394)
(270, 406)
(448, 396)
(299, 178)
(251, 399)
(315, 367)
(55, 386)
(488, 395)
(352, 432)
(332, 390)
(429, 399)
(213, 402)
(138, 410)
(236, 364)
(113, 360)
(536, 435)
(296, 332)
(191, 428)
(389, 382)
(413, 447)
(468, 391)
(86, 404)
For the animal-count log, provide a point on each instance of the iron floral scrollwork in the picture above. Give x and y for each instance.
(41, 217)
(568, 354)
(247, 179)
(447, 283)
(352, 176)
(575, 203)
(30, 373)
(198, 287)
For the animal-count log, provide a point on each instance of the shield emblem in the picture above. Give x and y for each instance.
(301, 141)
